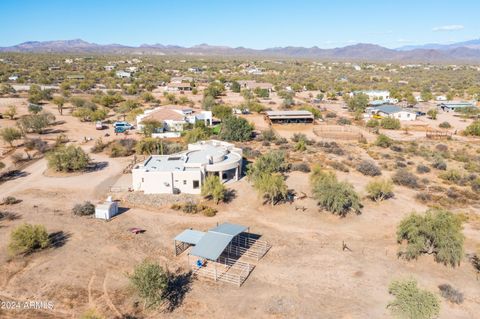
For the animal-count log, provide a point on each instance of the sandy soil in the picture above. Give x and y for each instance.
(306, 274)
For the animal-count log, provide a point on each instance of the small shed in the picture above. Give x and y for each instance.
(106, 210)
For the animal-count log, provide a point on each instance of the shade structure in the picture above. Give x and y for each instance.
(229, 229)
(190, 236)
(211, 246)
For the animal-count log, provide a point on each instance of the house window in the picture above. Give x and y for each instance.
(142, 180)
(196, 184)
(184, 182)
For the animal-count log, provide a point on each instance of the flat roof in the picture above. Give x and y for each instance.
(210, 245)
(289, 113)
(190, 236)
(230, 229)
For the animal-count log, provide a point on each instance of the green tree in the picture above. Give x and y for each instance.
(208, 102)
(213, 188)
(10, 134)
(35, 123)
(426, 94)
(337, 197)
(214, 89)
(438, 232)
(269, 163)
(151, 282)
(221, 111)
(68, 159)
(198, 133)
(432, 113)
(384, 141)
(358, 102)
(390, 123)
(235, 87)
(27, 238)
(271, 186)
(151, 126)
(59, 101)
(411, 302)
(236, 129)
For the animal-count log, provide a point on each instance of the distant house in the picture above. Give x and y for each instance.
(131, 69)
(181, 87)
(173, 119)
(181, 79)
(289, 117)
(392, 111)
(441, 98)
(13, 78)
(123, 74)
(373, 94)
(455, 106)
(254, 71)
(109, 67)
(53, 68)
(195, 70)
(382, 102)
(252, 85)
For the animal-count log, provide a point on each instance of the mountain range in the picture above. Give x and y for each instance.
(462, 51)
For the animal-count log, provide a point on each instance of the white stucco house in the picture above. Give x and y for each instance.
(173, 119)
(123, 74)
(185, 172)
(392, 111)
(373, 94)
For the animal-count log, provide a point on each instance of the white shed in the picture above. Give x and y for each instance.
(106, 210)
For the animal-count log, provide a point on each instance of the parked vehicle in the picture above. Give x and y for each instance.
(99, 125)
(123, 125)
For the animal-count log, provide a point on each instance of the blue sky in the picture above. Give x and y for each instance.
(255, 24)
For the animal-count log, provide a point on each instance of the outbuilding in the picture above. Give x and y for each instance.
(107, 209)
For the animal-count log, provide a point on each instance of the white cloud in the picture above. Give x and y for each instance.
(451, 27)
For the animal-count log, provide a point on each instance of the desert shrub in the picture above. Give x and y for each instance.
(390, 123)
(439, 163)
(475, 184)
(337, 197)
(444, 125)
(91, 314)
(331, 147)
(299, 137)
(339, 166)
(8, 216)
(36, 144)
(473, 129)
(99, 146)
(151, 282)
(268, 135)
(281, 141)
(368, 168)
(451, 294)
(383, 141)
(83, 209)
(190, 208)
(438, 232)
(209, 211)
(301, 167)
(331, 115)
(400, 164)
(10, 134)
(121, 148)
(27, 238)
(442, 148)
(372, 123)
(300, 146)
(423, 197)
(405, 178)
(380, 189)
(451, 175)
(411, 302)
(396, 148)
(248, 152)
(422, 169)
(213, 188)
(10, 200)
(69, 158)
(344, 121)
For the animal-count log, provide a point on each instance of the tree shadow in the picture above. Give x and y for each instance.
(230, 195)
(178, 287)
(58, 239)
(11, 175)
(9, 216)
(53, 131)
(96, 166)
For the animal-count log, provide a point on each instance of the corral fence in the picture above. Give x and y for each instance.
(339, 132)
